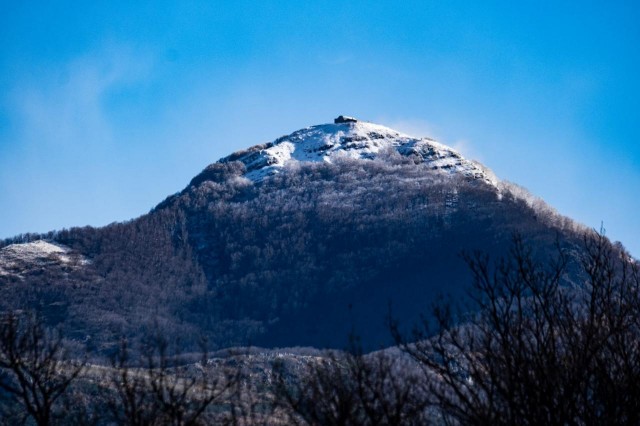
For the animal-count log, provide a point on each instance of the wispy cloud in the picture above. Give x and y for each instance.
(59, 150)
(422, 128)
(467, 149)
(412, 127)
(66, 107)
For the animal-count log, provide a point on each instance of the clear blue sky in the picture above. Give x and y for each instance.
(108, 107)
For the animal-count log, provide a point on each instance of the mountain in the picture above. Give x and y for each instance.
(296, 242)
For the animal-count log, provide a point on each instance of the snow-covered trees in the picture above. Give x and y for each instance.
(258, 262)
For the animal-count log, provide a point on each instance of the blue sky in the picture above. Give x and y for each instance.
(108, 107)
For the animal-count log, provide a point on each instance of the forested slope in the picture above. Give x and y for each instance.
(302, 257)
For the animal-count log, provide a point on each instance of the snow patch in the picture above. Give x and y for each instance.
(35, 250)
(355, 140)
(16, 257)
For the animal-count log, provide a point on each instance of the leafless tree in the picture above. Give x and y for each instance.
(35, 369)
(252, 401)
(534, 348)
(347, 388)
(159, 391)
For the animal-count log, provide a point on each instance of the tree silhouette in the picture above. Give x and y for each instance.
(159, 391)
(352, 388)
(35, 369)
(534, 348)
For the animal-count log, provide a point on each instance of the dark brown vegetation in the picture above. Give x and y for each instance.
(354, 389)
(35, 370)
(258, 263)
(159, 391)
(553, 341)
(529, 348)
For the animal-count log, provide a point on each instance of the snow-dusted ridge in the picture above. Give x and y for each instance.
(356, 140)
(18, 258)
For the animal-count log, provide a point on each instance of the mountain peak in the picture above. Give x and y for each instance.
(348, 137)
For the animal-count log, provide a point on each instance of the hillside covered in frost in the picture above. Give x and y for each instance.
(296, 242)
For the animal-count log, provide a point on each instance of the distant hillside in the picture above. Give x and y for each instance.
(293, 243)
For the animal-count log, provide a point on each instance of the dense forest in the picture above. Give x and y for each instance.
(299, 259)
(527, 346)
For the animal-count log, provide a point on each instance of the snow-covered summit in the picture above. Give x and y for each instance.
(351, 138)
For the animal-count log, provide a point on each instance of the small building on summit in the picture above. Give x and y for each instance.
(345, 119)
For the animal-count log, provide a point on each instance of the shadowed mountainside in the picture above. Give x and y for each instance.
(297, 251)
